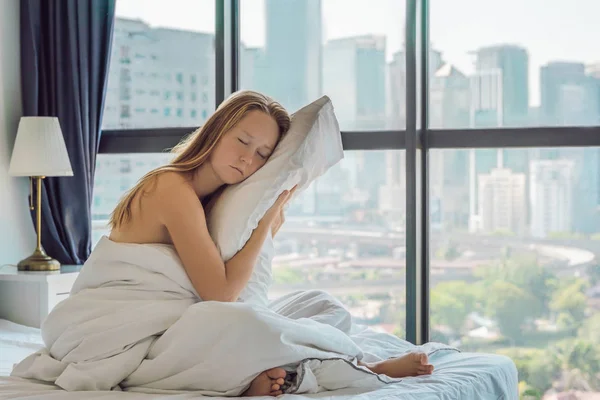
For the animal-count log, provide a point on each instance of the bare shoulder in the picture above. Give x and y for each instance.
(173, 196)
(172, 188)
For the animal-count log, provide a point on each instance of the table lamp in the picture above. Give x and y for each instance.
(39, 152)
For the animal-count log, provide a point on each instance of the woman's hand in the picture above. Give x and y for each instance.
(275, 216)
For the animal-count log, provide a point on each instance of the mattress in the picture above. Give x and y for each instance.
(469, 376)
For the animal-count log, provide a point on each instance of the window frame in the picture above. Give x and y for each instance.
(417, 139)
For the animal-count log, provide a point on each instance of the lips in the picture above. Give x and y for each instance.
(238, 170)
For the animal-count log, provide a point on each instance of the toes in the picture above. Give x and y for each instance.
(276, 373)
(275, 387)
(426, 370)
(422, 358)
(280, 381)
(276, 393)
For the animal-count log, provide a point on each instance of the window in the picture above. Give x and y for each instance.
(124, 94)
(125, 76)
(167, 111)
(182, 36)
(193, 97)
(125, 111)
(124, 56)
(485, 75)
(287, 53)
(180, 96)
(193, 113)
(514, 270)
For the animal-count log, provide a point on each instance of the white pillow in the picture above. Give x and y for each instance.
(311, 146)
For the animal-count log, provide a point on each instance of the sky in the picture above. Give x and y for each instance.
(550, 29)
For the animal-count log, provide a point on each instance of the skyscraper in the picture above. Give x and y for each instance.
(354, 78)
(448, 98)
(502, 204)
(502, 86)
(593, 72)
(551, 196)
(397, 85)
(293, 52)
(568, 95)
(499, 98)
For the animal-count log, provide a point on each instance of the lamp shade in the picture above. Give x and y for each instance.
(40, 149)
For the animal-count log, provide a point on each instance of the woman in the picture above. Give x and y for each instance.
(168, 206)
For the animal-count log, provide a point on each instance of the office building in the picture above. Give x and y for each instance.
(502, 204)
(551, 197)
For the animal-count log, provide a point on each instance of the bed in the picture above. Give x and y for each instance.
(468, 376)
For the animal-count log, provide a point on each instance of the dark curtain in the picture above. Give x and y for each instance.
(65, 52)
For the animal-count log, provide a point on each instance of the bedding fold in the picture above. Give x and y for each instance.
(134, 322)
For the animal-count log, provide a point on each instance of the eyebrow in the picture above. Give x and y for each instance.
(266, 145)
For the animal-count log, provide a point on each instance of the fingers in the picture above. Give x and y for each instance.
(290, 194)
(283, 197)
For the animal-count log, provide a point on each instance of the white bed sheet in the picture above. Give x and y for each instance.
(16, 343)
(469, 376)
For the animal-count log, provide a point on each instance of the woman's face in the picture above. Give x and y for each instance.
(245, 148)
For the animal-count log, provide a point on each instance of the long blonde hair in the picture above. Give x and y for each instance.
(195, 149)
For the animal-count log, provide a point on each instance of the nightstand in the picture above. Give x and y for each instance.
(27, 297)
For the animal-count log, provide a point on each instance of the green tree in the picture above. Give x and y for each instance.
(590, 329)
(524, 272)
(448, 252)
(542, 370)
(287, 275)
(510, 306)
(579, 361)
(569, 301)
(537, 369)
(452, 302)
(593, 271)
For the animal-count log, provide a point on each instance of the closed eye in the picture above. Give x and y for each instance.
(263, 156)
(241, 141)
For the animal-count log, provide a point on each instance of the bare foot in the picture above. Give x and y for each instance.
(267, 384)
(411, 364)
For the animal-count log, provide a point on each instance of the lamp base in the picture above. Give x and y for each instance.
(38, 261)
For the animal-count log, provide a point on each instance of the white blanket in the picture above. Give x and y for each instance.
(134, 322)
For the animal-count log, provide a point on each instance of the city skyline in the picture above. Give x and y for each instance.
(156, 82)
(454, 29)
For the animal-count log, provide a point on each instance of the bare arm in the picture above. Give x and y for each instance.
(182, 214)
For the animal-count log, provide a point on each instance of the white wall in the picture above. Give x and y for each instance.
(17, 236)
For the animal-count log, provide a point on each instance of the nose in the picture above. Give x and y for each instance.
(246, 158)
